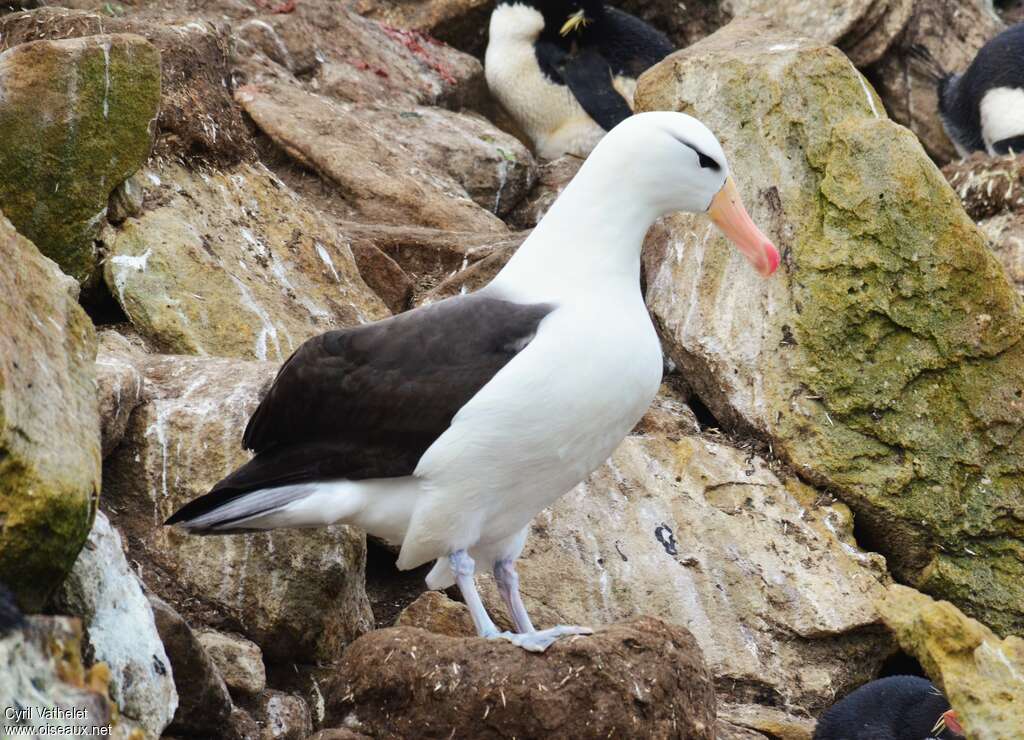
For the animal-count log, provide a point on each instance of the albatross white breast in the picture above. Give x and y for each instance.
(448, 428)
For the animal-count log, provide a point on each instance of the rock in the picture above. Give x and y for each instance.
(474, 277)
(435, 612)
(241, 726)
(203, 699)
(885, 359)
(103, 591)
(461, 23)
(643, 678)
(383, 180)
(952, 33)
(706, 536)
(552, 177)
(118, 385)
(284, 716)
(684, 23)
(864, 29)
(383, 276)
(232, 263)
(354, 59)
(494, 169)
(756, 721)
(49, 423)
(988, 186)
(126, 200)
(43, 671)
(198, 118)
(339, 733)
(298, 594)
(1006, 239)
(433, 256)
(88, 103)
(239, 661)
(981, 675)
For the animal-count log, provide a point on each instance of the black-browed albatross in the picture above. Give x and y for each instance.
(446, 429)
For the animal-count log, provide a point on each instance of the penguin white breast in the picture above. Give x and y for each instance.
(547, 112)
(1002, 115)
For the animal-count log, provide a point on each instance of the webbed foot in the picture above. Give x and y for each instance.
(540, 640)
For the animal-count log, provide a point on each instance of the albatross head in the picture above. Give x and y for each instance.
(672, 162)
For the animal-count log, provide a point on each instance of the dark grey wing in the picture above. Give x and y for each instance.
(367, 402)
(590, 79)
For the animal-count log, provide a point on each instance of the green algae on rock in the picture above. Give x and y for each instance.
(885, 359)
(49, 422)
(981, 675)
(75, 122)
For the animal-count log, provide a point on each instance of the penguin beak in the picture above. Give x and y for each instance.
(948, 721)
(729, 215)
(576, 20)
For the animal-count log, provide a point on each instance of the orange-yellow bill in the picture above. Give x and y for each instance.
(729, 215)
(948, 721)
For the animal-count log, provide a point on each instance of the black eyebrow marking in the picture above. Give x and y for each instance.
(703, 159)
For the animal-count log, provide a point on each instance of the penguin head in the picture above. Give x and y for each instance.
(674, 163)
(556, 20)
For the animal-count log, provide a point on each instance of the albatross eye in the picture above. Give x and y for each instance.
(707, 162)
(703, 159)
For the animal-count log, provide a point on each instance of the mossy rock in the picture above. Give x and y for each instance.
(884, 361)
(75, 121)
(49, 422)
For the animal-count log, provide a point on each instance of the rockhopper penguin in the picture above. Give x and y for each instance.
(893, 708)
(983, 108)
(566, 70)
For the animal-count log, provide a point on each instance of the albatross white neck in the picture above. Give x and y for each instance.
(590, 240)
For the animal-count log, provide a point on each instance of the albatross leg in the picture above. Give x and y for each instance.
(507, 578)
(535, 641)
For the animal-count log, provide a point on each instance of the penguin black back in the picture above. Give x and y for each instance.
(893, 708)
(983, 108)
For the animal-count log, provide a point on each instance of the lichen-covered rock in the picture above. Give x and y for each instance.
(381, 179)
(298, 594)
(864, 29)
(239, 661)
(704, 535)
(198, 119)
(233, 263)
(49, 423)
(952, 34)
(118, 386)
(981, 675)
(43, 672)
(203, 699)
(885, 360)
(103, 591)
(75, 122)
(643, 678)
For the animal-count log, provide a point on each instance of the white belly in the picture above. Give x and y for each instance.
(546, 421)
(1002, 115)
